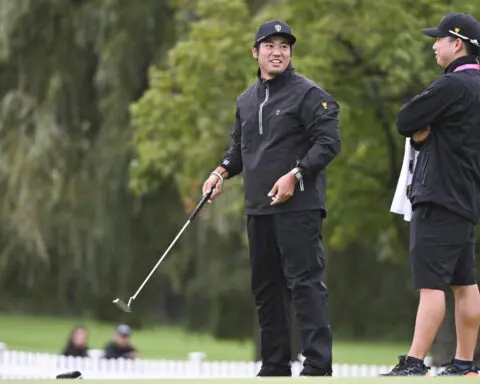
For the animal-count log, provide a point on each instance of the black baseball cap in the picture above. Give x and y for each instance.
(274, 28)
(461, 25)
(123, 330)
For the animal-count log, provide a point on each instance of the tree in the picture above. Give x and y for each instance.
(370, 55)
(181, 126)
(71, 229)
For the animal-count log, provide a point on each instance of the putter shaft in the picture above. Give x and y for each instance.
(126, 307)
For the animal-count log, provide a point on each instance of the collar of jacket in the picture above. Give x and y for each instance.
(460, 61)
(278, 80)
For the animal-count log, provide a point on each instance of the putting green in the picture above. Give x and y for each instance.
(294, 380)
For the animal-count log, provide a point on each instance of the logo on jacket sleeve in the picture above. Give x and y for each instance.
(324, 105)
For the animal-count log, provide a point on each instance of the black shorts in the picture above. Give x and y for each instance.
(442, 248)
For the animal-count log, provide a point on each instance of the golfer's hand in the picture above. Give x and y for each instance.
(283, 189)
(421, 136)
(212, 183)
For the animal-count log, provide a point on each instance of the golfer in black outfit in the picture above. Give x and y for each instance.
(444, 125)
(285, 134)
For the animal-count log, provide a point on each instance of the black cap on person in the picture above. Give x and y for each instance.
(461, 25)
(274, 28)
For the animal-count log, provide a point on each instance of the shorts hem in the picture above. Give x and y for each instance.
(437, 287)
(444, 286)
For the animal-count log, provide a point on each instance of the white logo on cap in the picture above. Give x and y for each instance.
(278, 27)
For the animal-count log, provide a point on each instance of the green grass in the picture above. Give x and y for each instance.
(49, 335)
(42, 334)
(374, 380)
(374, 353)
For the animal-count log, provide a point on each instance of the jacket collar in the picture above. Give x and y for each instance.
(460, 61)
(278, 80)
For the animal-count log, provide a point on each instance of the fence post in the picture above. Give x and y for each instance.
(3, 348)
(95, 353)
(196, 359)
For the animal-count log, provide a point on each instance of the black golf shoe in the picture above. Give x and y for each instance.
(308, 370)
(452, 369)
(271, 371)
(408, 367)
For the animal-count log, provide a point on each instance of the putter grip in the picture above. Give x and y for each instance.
(200, 205)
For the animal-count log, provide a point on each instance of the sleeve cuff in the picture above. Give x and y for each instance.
(227, 164)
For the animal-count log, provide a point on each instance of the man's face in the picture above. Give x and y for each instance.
(446, 49)
(273, 56)
(122, 340)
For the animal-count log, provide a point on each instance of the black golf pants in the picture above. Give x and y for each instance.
(287, 261)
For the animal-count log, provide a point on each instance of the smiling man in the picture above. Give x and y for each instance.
(285, 134)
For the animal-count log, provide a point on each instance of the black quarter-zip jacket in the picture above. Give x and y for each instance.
(282, 123)
(448, 165)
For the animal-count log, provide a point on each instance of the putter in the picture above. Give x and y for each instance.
(126, 307)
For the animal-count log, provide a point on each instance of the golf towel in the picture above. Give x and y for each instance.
(401, 203)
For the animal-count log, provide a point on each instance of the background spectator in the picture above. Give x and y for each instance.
(120, 346)
(77, 343)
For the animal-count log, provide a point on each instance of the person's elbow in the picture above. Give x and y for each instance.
(336, 146)
(333, 142)
(405, 125)
(402, 126)
(332, 151)
(320, 157)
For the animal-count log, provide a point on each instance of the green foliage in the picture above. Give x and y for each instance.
(181, 131)
(71, 229)
(370, 55)
(183, 119)
(113, 112)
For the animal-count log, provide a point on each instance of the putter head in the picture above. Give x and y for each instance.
(121, 304)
